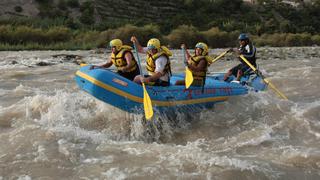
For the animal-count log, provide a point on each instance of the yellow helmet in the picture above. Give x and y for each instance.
(153, 43)
(116, 43)
(204, 48)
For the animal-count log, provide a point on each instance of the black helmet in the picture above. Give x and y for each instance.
(243, 36)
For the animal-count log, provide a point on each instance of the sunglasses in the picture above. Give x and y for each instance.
(151, 47)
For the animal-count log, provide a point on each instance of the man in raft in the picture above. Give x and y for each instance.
(122, 57)
(158, 63)
(248, 51)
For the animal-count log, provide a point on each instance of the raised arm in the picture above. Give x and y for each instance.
(136, 42)
(187, 54)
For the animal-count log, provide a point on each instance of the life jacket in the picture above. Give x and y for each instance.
(195, 60)
(119, 60)
(151, 60)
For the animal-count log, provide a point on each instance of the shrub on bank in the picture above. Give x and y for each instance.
(274, 40)
(59, 37)
(188, 35)
(24, 34)
(293, 40)
(315, 40)
(219, 39)
(124, 33)
(104, 38)
(305, 39)
(58, 34)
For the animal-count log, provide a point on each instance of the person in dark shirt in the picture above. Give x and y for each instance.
(248, 51)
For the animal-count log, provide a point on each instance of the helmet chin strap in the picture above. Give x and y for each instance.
(203, 53)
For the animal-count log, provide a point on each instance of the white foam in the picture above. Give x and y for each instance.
(79, 122)
(253, 137)
(203, 159)
(78, 115)
(21, 89)
(135, 151)
(41, 154)
(24, 177)
(300, 108)
(299, 111)
(101, 160)
(299, 156)
(114, 173)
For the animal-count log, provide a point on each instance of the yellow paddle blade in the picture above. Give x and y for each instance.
(265, 80)
(189, 78)
(147, 105)
(83, 64)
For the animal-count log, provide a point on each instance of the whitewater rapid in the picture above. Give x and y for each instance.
(49, 129)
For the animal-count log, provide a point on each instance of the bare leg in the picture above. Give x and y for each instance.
(227, 75)
(239, 74)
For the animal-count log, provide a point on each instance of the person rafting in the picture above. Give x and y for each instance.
(248, 51)
(197, 63)
(123, 59)
(158, 63)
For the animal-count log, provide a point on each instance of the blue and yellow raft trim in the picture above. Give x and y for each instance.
(122, 93)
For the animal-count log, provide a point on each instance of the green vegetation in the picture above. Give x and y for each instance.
(58, 37)
(87, 10)
(215, 22)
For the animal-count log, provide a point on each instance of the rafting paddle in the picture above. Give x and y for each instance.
(263, 78)
(220, 56)
(189, 77)
(147, 104)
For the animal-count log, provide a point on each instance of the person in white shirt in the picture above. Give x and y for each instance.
(158, 63)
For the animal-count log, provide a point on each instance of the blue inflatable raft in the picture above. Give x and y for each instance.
(122, 93)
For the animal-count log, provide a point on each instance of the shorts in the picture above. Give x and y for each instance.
(158, 82)
(243, 68)
(130, 75)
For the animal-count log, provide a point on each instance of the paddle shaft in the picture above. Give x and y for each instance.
(189, 76)
(147, 104)
(265, 80)
(221, 55)
(139, 64)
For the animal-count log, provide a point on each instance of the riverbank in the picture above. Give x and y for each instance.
(63, 38)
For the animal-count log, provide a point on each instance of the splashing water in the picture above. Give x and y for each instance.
(49, 129)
